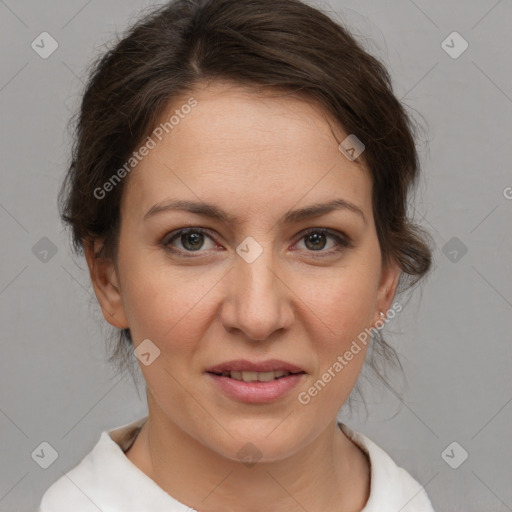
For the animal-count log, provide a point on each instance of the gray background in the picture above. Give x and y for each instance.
(453, 335)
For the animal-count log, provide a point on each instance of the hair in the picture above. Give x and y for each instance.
(286, 46)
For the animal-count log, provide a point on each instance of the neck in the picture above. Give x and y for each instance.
(329, 474)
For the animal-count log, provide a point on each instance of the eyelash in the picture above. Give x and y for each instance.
(340, 240)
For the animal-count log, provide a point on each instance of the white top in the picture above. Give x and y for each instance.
(107, 481)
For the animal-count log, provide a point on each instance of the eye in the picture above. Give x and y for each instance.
(315, 241)
(193, 239)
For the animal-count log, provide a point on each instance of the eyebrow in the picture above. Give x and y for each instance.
(292, 216)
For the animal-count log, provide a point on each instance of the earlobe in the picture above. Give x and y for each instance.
(387, 288)
(106, 286)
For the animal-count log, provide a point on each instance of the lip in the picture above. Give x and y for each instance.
(252, 366)
(256, 392)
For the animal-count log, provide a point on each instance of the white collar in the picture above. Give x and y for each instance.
(107, 481)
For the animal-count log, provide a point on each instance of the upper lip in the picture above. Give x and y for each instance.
(255, 366)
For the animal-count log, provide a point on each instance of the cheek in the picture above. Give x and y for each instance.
(340, 304)
(165, 304)
(338, 312)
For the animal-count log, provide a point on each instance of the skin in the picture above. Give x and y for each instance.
(257, 156)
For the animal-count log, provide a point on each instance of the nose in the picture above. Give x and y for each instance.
(258, 299)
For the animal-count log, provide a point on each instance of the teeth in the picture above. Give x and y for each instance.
(255, 376)
(265, 376)
(249, 376)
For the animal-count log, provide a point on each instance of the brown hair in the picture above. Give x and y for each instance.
(282, 45)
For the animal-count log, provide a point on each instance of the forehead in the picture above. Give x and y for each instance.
(251, 150)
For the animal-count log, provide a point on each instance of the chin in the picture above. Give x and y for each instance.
(263, 441)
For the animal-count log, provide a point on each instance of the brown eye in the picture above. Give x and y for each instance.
(315, 240)
(191, 240)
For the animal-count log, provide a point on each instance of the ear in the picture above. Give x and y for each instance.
(105, 282)
(390, 275)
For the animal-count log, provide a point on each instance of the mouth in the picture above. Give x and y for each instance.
(249, 376)
(251, 371)
(255, 382)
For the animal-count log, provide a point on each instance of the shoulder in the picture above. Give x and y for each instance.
(102, 472)
(75, 486)
(392, 488)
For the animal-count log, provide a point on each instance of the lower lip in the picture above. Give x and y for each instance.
(256, 392)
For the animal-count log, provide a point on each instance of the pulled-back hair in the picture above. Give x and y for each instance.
(282, 45)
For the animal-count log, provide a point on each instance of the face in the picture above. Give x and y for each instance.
(264, 285)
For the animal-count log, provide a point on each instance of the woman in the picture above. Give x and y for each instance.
(238, 186)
